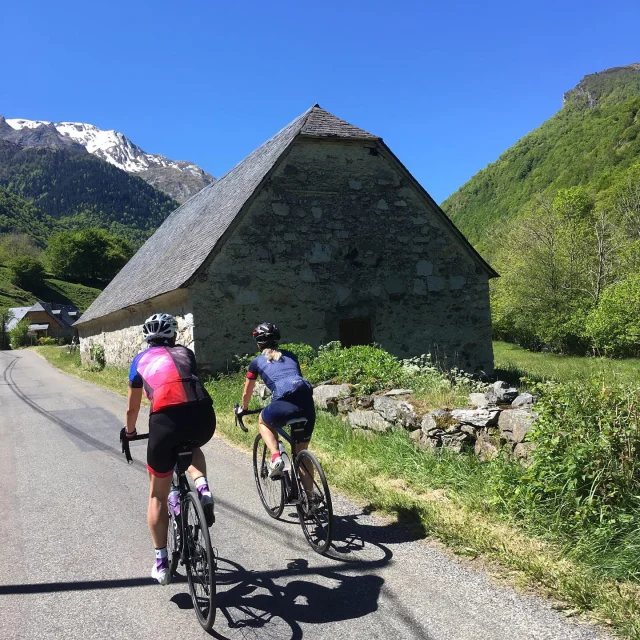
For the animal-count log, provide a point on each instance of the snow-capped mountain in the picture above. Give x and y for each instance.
(179, 179)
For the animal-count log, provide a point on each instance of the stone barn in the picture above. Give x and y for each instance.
(321, 230)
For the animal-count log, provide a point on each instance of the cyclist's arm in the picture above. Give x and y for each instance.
(249, 384)
(134, 400)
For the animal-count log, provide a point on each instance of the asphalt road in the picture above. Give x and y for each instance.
(76, 553)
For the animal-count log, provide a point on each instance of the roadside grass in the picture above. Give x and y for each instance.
(446, 496)
(513, 362)
(451, 497)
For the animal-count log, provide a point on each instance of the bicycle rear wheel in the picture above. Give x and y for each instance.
(316, 515)
(201, 567)
(271, 492)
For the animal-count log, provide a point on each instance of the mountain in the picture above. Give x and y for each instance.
(593, 141)
(19, 216)
(178, 179)
(77, 189)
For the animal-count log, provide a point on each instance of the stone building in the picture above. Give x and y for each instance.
(321, 230)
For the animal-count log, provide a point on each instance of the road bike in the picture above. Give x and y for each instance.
(188, 540)
(313, 503)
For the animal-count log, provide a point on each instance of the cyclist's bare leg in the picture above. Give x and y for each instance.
(306, 475)
(268, 436)
(198, 466)
(157, 514)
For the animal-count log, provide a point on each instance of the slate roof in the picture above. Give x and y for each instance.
(179, 247)
(17, 313)
(184, 240)
(63, 314)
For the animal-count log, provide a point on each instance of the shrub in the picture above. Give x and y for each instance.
(615, 325)
(96, 353)
(27, 272)
(46, 340)
(368, 367)
(586, 465)
(305, 353)
(19, 335)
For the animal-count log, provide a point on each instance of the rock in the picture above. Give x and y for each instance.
(454, 442)
(523, 450)
(416, 435)
(325, 392)
(398, 392)
(499, 384)
(434, 422)
(399, 412)
(371, 420)
(514, 424)
(469, 430)
(478, 400)
(524, 399)
(261, 391)
(342, 405)
(506, 396)
(476, 417)
(429, 444)
(486, 447)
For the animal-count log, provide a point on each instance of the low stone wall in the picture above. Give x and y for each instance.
(496, 421)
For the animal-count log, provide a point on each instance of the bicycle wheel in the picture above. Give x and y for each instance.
(271, 492)
(201, 567)
(316, 515)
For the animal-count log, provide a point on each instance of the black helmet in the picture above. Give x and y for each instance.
(266, 334)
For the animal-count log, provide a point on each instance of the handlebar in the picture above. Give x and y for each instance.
(125, 443)
(239, 417)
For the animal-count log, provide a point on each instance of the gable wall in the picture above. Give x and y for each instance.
(120, 333)
(338, 232)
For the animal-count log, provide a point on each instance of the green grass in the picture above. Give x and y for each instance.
(52, 290)
(513, 362)
(446, 496)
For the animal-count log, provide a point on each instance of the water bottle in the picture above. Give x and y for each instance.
(174, 501)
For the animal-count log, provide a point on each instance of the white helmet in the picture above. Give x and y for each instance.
(159, 326)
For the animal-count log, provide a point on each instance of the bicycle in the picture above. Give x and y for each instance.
(188, 540)
(315, 512)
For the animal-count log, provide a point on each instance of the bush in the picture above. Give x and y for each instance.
(46, 340)
(19, 335)
(367, 367)
(96, 353)
(27, 272)
(305, 353)
(586, 466)
(615, 325)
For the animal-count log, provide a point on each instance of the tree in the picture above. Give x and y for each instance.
(26, 272)
(19, 335)
(5, 318)
(13, 245)
(87, 255)
(614, 325)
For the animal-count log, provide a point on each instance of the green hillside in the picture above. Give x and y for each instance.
(19, 216)
(52, 290)
(79, 190)
(593, 141)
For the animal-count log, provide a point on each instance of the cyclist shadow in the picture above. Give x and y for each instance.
(274, 603)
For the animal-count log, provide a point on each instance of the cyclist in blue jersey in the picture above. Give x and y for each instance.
(181, 413)
(291, 394)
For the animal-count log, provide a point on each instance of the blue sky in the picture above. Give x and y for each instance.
(449, 86)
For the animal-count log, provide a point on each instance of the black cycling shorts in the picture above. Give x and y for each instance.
(295, 405)
(193, 423)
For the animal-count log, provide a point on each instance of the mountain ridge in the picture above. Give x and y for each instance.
(179, 179)
(592, 141)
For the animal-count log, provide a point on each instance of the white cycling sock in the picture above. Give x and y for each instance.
(202, 485)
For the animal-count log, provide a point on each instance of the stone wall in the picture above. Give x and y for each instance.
(339, 232)
(121, 333)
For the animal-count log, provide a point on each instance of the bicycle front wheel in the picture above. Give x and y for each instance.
(315, 510)
(271, 492)
(200, 561)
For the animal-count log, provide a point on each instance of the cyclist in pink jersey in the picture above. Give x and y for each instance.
(181, 413)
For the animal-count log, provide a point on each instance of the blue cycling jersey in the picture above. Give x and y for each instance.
(282, 377)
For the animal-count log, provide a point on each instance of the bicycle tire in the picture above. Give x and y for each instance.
(174, 542)
(321, 519)
(200, 561)
(271, 492)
